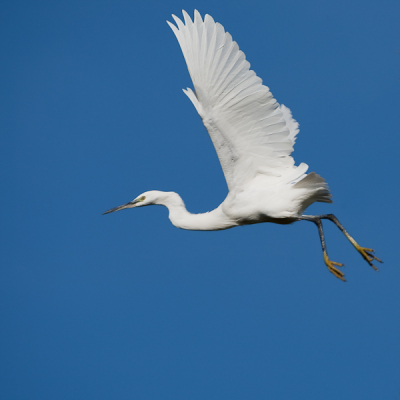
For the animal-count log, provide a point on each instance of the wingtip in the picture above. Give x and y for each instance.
(208, 19)
(177, 20)
(188, 20)
(197, 17)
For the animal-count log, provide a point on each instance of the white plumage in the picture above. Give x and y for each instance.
(253, 136)
(251, 132)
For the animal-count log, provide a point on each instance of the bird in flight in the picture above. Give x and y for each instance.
(253, 136)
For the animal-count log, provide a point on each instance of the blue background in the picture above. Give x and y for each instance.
(126, 306)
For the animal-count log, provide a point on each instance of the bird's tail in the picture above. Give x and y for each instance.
(317, 186)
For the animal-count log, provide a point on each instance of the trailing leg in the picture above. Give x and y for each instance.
(366, 253)
(330, 264)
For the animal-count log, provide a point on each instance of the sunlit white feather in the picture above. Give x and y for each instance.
(251, 132)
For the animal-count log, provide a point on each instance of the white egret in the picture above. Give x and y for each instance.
(253, 136)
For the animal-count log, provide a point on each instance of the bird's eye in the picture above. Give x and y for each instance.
(142, 198)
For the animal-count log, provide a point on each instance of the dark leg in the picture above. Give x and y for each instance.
(365, 252)
(330, 264)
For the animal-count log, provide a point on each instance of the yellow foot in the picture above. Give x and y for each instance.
(330, 264)
(368, 256)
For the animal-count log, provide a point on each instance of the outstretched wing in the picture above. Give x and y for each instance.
(251, 132)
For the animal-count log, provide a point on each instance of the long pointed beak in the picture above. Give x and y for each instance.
(127, 205)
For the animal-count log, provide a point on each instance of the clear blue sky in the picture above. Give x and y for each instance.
(126, 306)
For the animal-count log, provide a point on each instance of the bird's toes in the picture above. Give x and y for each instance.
(339, 274)
(330, 264)
(368, 256)
(336, 263)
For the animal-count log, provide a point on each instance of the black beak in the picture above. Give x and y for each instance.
(127, 205)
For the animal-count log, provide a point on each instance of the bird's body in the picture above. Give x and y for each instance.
(253, 136)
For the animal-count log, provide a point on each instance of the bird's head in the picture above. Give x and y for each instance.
(144, 199)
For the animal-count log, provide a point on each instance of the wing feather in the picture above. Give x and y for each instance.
(251, 132)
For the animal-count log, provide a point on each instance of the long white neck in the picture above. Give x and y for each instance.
(181, 218)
